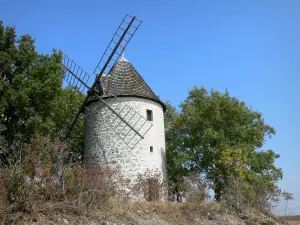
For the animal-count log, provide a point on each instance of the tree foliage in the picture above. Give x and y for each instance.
(218, 136)
(33, 101)
(176, 171)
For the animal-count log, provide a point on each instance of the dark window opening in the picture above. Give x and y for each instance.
(151, 148)
(149, 115)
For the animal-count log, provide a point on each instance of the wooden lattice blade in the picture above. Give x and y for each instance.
(118, 43)
(74, 76)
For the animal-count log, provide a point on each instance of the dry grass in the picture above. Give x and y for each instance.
(294, 222)
(116, 207)
(116, 211)
(180, 213)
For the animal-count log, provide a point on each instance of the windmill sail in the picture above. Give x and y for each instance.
(118, 43)
(76, 79)
(74, 75)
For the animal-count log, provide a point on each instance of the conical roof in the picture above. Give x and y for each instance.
(123, 80)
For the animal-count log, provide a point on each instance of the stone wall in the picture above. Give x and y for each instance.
(104, 146)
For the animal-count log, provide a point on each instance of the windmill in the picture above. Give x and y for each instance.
(123, 118)
(135, 125)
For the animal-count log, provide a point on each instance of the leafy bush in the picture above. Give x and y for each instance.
(240, 194)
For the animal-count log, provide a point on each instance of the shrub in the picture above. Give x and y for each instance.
(43, 181)
(150, 185)
(240, 194)
(197, 189)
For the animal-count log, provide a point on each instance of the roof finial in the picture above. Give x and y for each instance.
(123, 57)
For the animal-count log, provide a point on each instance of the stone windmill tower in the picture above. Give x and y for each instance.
(124, 121)
(104, 148)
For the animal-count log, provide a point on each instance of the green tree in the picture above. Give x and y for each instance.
(219, 136)
(175, 170)
(33, 101)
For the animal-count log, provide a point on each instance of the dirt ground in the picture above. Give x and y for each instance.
(151, 213)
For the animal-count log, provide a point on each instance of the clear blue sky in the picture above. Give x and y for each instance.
(250, 47)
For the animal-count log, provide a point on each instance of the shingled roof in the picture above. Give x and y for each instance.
(124, 80)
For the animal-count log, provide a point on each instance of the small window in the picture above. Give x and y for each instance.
(151, 148)
(149, 115)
